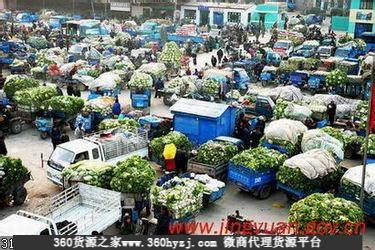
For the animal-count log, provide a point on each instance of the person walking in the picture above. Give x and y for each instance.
(70, 89)
(220, 55)
(194, 56)
(3, 147)
(213, 61)
(116, 107)
(55, 136)
(158, 85)
(331, 112)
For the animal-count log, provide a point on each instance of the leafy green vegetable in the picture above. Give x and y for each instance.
(336, 78)
(95, 173)
(68, 104)
(14, 83)
(361, 114)
(259, 159)
(38, 42)
(178, 139)
(11, 171)
(127, 124)
(335, 133)
(325, 208)
(140, 81)
(34, 97)
(279, 111)
(210, 87)
(134, 175)
(171, 55)
(215, 153)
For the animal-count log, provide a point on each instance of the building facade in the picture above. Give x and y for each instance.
(216, 13)
(361, 17)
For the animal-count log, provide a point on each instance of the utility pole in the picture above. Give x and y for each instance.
(74, 7)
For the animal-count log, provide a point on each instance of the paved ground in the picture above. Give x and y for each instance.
(29, 147)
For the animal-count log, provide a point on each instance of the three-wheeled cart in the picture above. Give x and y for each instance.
(16, 191)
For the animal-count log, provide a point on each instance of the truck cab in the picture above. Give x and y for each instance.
(57, 22)
(241, 79)
(325, 51)
(307, 49)
(263, 106)
(284, 48)
(20, 224)
(83, 51)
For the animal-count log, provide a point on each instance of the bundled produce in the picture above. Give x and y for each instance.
(285, 133)
(125, 64)
(211, 185)
(177, 138)
(38, 42)
(311, 171)
(134, 175)
(102, 105)
(335, 133)
(371, 145)
(95, 73)
(360, 43)
(70, 105)
(34, 97)
(175, 85)
(122, 38)
(18, 63)
(140, 81)
(336, 78)
(319, 112)
(182, 196)
(127, 124)
(15, 83)
(279, 111)
(317, 138)
(310, 63)
(233, 94)
(210, 87)
(297, 112)
(361, 114)
(171, 55)
(38, 72)
(11, 171)
(320, 208)
(107, 80)
(43, 60)
(352, 180)
(156, 70)
(259, 159)
(345, 39)
(287, 68)
(215, 153)
(95, 173)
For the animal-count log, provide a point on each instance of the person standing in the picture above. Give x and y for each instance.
(77, 92)
(3, 147)
(181, 159)
(331, 112)
(55, 136)
(162, 227)
(116, 108)
(64, 138)
(213, 61)
(158, 85)
(59, 91)
(194, 55)
(188, 72)
(220, 55)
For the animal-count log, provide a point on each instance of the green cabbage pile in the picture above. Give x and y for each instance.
(14, 83)
(70, 105)
(95, 173)
(210, 87)
(127, 124)
(140, 81)
(361, 114)
(34, 97)
(11, 171)
(38, 42)
(215, 153)
(336, 78)
(177, 138)
(133, 175)
(259, 159)
(322, 208)
(171, 55)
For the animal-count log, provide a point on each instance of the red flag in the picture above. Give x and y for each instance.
(371, 125)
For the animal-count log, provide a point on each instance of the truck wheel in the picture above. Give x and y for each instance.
(291, 198)
(166, 101)
(44, 135)
(255, 193)
(16, 127)
(264, 83)
(19, 195)
(265, 192)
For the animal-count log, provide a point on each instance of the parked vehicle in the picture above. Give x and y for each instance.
(269, 74)
(58, 22)
(317, 81)
(284, 48)
(77, 210)
(325, 51)
(16, 191)
(299, 78)
(110, 146)
(307, 49)
(263, 106)
(369, 39)
(83, 51)
(10, 121)
(313, 19)
(219, 171)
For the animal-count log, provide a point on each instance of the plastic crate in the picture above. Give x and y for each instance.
(248, 179)
(140, 101)
(368, 204)
(217, 195)
(275, 147)
(322, 124)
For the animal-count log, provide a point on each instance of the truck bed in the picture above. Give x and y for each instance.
(87, 208)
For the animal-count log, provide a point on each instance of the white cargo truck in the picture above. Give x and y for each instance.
(109, 146)
(79, 210)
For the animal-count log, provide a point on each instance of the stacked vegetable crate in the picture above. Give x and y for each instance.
(216, 171)
(260, 184)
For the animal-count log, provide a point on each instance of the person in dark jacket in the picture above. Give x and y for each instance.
(3, 147)
(64, 137)
(220, 55)
(162, 227)
(331, 112)
(116, 108)
(213, 61)
(255, 137)
(128, 226)
(158, 85)
(70, 89)
(59, 91)
(77, 92)
(55, 136)
(194, 56)
(181, 159)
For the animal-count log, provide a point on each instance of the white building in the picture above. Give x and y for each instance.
(214, 13)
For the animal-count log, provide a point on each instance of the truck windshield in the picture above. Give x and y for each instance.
(281, 45)
(62, 155)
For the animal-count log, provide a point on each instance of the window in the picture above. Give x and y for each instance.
(81, 156)
(190, 14)
(95, 153)
(366, 4)
(234, 17)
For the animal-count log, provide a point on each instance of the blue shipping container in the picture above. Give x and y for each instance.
(202, 121)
